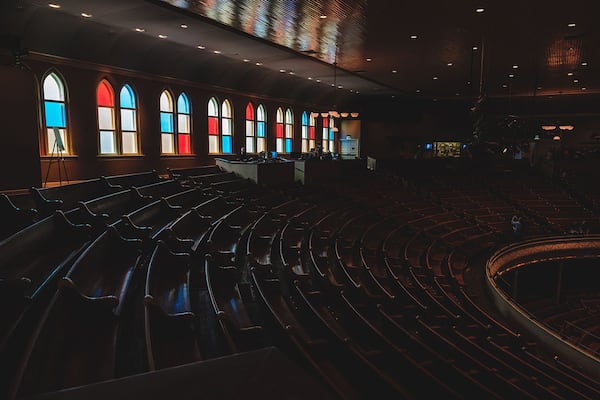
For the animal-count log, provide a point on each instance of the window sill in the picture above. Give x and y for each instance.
(119, 156)
(178, 155)
(49, 157)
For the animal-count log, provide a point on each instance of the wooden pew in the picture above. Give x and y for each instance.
(135, 179)
(14, 218)
(169, 318)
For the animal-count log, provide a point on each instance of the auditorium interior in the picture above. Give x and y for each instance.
(299, 199)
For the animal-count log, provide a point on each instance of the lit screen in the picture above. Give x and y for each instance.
(296, 24)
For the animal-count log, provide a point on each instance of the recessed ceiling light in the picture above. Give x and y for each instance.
(511, 75)
(583, 88)
(162, 36)
(515, 66)
(322, 16)
(246, 60)
(413, 36)
(292, 73)
(217, 51)
(418, 90)
(480, 10)
(475, 48)
(340, 86)
(458, 94)
(394, 71)
(369, 59)
(435, 78)
(53, 5)
(539, 88)
(450, 64)
(505, 85)
(570, 74)
(282, 70)
(140, 30)
(258, 63)
(572, 25)
(201, 47)
(86, 15)
(310, 78)
(575, 80)
(184, 26)
(318, 81)
(333, 84)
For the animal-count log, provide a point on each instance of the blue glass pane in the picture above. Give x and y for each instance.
(260, 129)
(331, 135)
(226, 144)
(304, 118)
(166, 122)
(183, 105)
(288, 145)
(126, 97)
(55, 114)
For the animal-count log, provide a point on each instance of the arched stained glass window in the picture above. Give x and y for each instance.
(325, 134)
(128, 120)
(105, 97)
(55, 114)
(289, 130)
(328, 134)
(226, 127)
(213, 126)
(308, 132)
(279, 131)
(250, 129)
(184, 129)
(167, 130)
(261, 129)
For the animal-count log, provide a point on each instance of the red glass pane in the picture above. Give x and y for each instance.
(311, 132)
(213, 126)
(279, 131)
(325, 122)
(250, 112)
(105, 95)
(184, 144)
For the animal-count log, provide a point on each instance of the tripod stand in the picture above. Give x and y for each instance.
(57, 156)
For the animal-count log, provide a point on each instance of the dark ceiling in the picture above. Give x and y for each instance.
(434, 48)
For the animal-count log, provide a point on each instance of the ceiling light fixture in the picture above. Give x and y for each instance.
(217, 51)
(201, 47)
(258, 64)
(53, 5)
(515, 66)
(246, 60)
(413, 36)
(435, 78)
(480, 10)
(572, 25)
(162, 36)
(583, 88)
(511, 75)
(140, 30)
(475, 48)
(584, 64)
(450, 64)
(86, 15)
(575, 80)
(394, 71)
(323, 16)
(369, 59)
(292, 73)
(570, 74)
(184, 26)
(282, 70)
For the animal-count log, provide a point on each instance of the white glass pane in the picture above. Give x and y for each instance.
(183, 123)
(105, 118)
(249, 145)
(288, 131)
(53, 89)
(226, 126)
(260, 113)
(304, 132)
(261, 145)
(226, 109)
(107, 142)
(166, 141)
(166, 103)
(288, 117)
(280, 145)
(249, 128)
(213, 144)
(128, 120)
(311, 144)
(52, 141)
(325, 145)
(129, 143)
(332, 146)
(305, 146)
(212, 108)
